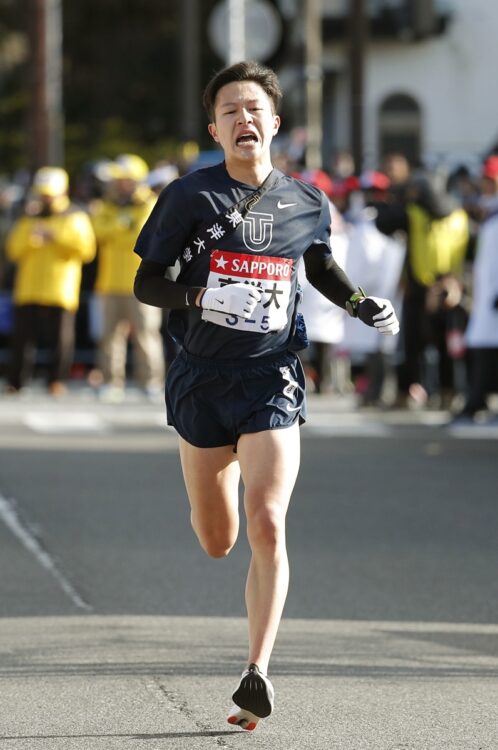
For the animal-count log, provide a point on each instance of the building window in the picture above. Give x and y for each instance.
(400, 125)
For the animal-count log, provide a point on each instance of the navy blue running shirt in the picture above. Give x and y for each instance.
(263, 250)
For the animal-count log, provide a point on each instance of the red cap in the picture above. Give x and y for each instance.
(372, 180)
(350, 184)
(318, 178)
(490, 168)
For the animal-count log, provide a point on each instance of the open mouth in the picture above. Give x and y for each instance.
(246, 138)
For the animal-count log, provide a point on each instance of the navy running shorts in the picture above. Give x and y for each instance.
(211, 402)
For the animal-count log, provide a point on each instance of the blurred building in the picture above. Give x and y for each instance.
(428, 79)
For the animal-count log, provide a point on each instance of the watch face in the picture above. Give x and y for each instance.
(352, 303)
(351, 308)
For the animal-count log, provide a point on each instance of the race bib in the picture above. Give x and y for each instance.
(272, 276)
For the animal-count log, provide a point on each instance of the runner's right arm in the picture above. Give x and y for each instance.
(153, 288)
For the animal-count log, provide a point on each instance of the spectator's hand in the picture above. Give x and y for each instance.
(234, 299)
(379, 313)
(41, 234)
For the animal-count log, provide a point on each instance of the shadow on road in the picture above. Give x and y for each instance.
(152, 736)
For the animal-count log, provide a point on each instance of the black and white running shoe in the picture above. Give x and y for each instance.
(253, 699)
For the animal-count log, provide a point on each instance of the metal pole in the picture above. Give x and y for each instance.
(55, 116)
(38, 139)
(46, 119)
(314, 83)
(236, 31)
(357, 47)
(190, 57)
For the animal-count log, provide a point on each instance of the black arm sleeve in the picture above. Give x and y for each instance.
(325, 275)
(152, 287)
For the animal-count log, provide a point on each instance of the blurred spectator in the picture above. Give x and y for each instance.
(118, 220)
(12, 195)
(437, 232)
(361, 250)
(48, 245)
(378, 260)
(324, 321)
(482, 332)
(342, 165)
(463, 186)
(161, 176)
(158, 178)
(11, 198)
(488, 201)
(397, 169)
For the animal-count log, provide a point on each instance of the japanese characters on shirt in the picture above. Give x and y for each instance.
(272, 276)
(216, 232)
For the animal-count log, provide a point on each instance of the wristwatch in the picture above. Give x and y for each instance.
(354, 301)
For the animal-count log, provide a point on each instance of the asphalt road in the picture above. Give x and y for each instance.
(116, 631)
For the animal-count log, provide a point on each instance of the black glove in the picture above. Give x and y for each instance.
(378, 313)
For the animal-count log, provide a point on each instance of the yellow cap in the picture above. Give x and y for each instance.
(129, 167)
(51, 181)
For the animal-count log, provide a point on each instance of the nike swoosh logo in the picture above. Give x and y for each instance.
(220, 301)
(292, 408)
(285, 205)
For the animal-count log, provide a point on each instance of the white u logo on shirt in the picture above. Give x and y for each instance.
(257, 231)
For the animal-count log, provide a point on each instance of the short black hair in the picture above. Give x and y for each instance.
(243, 71)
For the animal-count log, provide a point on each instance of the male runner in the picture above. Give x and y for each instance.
(235, 393)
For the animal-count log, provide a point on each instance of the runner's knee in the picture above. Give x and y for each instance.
(215, 547)
(266, 528)
(215, 542)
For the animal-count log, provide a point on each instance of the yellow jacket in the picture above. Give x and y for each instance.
(117, 228)
(49, 252)
(437, 246)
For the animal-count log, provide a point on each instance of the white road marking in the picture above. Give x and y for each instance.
(10, 517)
(67, 421)
(474, 432)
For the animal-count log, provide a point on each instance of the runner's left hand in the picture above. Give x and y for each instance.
(379, 313)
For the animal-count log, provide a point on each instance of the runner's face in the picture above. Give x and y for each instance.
(244, 123)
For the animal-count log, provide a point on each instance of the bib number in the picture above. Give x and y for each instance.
(272, 276)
